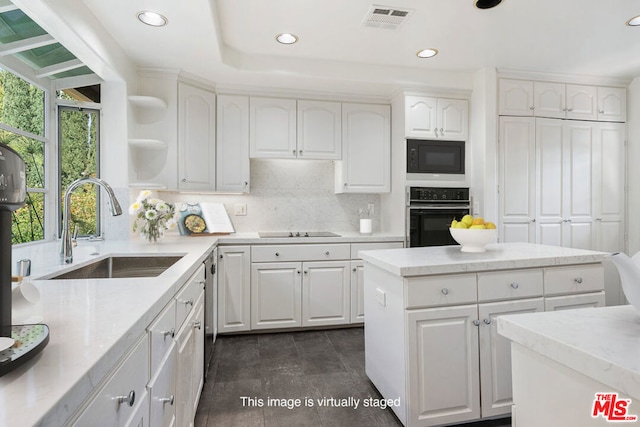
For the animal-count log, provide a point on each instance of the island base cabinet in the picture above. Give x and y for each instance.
(547, 393)
(444, 378)
(495, 354)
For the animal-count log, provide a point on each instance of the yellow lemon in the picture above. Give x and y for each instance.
(453, 223)
(489, 225)
(478, 220)
(467, 220)
(461, 224)
(477, 227)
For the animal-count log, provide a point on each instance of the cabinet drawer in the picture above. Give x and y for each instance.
(498, 285)
(161, 333)
(357, 247)
(187, 296)
(276, 253)
(574, 279)
(128, 381)
(440, 290)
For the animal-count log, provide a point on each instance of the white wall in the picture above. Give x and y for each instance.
(633, 171)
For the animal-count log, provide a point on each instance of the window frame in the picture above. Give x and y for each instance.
(60, 104)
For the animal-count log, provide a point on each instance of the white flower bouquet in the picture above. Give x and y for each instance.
(153, 216)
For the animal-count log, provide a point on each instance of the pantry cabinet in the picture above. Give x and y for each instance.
(234, 288)
(366, 149)
(562, 101)
(196, 138)
(562, 182)
(436, 118)
(232, 145)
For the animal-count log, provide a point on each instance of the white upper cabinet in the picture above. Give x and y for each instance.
(319, 130)
(232, 171)
(516, 98)
(562, 101)
(196, 138)
(272, 128)
(366, 152)
(612, 104)
(430, 118)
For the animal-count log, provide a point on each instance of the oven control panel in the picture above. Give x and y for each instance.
(440, 194)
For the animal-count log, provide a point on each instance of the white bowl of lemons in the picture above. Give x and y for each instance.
(473, 234)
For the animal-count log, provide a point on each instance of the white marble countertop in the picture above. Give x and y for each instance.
(601, 343)
(449, 259)
(93, 322)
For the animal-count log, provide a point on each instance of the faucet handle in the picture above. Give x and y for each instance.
(74, 238)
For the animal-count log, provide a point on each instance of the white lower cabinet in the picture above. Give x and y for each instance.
(326, 294)
(119, 400)
(495, 354)
(162, 391)
(357, 291)
(234, 289)
(443, 364)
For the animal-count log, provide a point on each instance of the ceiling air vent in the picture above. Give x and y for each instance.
(386, 17)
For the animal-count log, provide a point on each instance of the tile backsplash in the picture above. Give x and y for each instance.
(290, 195)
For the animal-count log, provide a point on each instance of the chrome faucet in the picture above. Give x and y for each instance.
(66, 250)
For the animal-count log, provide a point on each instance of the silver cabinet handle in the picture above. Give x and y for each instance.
(445, 291)
(441, 132)
(599, 219)
(327, 253)
(476, 323)
(487, 321)
(277, 253)
(345, 184)
(601, 111)
(187, 302)
(129, 399)
(165, 400)
(184, 179)
(298, 271)
(532, 108)
(533, 220)
(306, 272)
(578, 280)
(221, 256)
(246, 184)
(294, 153)
(171, 332)
(300, 152)
(569, 109)
(515, 285)
(355, 269)
(435, 131)
(197, 324)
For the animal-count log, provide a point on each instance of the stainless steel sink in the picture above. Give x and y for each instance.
(120, 267)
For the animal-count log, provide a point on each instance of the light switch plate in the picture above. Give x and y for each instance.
(240, 209)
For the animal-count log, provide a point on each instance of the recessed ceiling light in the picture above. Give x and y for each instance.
(152, 18)
(427, 53)
(486, 4)
(634, 22)
(287, 38)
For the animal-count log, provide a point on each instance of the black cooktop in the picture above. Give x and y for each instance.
(278, 234)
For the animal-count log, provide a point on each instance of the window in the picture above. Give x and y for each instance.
(79, 148)
(22, 127)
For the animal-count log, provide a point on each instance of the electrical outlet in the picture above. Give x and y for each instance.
(240, 209)
(371, 209)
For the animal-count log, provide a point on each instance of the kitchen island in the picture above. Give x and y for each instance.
(430, 326)
(562, 360)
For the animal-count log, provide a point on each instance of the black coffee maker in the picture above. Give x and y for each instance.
(29, 339)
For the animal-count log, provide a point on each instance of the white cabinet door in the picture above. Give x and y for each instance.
(357, 292)
(234, 293)
(582, 102)
(443, 373)
(453, 117)
(197, 367)
(495, 354)
(570, 302)
(612, 104)
(549, 99)
(578, 182)
(319, 130)
(276, 300)
(516, 97)
(196, 138)
(232, 169)
(517, 195)
(272, 128)
(366, 149)
(162, 391)
(609, 186)
(420, 120)
(326, 293)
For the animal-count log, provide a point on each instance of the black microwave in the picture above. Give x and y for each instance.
(435, 157)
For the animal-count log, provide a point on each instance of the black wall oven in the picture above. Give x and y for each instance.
(430, 211)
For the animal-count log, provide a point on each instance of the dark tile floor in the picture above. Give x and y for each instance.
(287, 366)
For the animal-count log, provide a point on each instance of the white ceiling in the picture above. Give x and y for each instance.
(233, 40)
